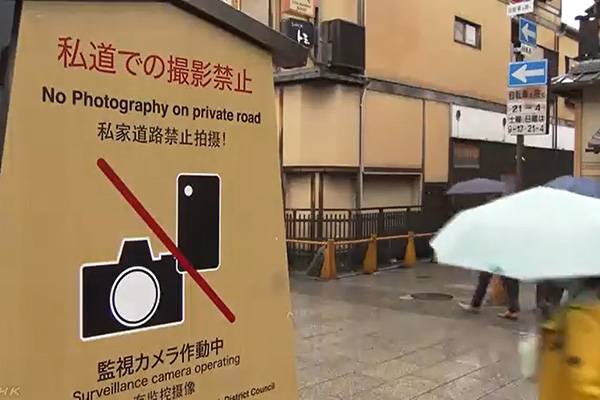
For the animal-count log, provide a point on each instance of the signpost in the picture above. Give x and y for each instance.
(527, 111)
(301, 8)
(520, 7)
(300, 30)
(524, 50)
(527, 33)
(143, 242)
(527, 107)
(528, 73)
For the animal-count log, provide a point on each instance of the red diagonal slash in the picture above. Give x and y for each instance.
(164, 238)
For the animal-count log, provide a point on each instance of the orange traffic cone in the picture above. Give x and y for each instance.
(410, 255)
(370, 261)
(329, 270)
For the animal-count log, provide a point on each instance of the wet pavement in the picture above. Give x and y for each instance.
(362, 338)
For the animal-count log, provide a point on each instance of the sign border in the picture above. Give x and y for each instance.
(519, 85)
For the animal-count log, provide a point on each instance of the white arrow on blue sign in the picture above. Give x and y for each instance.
(528, 73)
(527, 32)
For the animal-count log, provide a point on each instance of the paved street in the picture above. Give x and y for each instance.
(362, 338)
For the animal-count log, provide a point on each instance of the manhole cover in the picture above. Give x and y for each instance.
(458, 286)
(432, 296)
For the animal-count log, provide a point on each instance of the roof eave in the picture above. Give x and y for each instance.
(572, 89)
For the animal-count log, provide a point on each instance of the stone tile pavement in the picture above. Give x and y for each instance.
(358, 338)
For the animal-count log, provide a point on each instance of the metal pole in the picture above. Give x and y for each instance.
(361, 145)
(520, 150)
(520, 162)
(360, 12)
(360, 16)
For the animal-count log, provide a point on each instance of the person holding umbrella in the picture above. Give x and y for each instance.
(549, 293)
(511, 286)
(492, 189)
(540, 235)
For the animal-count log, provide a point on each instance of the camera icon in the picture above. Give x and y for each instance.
(137, 292)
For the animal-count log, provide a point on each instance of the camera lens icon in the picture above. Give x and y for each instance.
(136, 292)
(135, 296)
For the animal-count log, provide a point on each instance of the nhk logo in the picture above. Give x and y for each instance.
(10, 391)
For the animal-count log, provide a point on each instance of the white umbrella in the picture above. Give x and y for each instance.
(537, 234)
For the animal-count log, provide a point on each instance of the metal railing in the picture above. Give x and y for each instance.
(347, 224)
(351, 229)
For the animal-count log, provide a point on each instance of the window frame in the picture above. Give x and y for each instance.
(569, 63)
(466, 155)
(465, 24)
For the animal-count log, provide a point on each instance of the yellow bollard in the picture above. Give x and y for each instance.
(370, 261)
(552, 370)
(410, 255)
(329, 270)
(581, 352)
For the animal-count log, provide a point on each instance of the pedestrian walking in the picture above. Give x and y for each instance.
(511, 286)
(548, 296)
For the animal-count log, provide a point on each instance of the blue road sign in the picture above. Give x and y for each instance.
(527, 32)
(528, 73)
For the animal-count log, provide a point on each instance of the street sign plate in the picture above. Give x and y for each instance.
(527, 111)
(112, 219)
(301, 31)
(528, 73)
(527, 33)
(233, 3)
(525, 50)
(519, 7)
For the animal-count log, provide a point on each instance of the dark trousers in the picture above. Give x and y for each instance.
(548, 297)
(511, 286)
(512, 291)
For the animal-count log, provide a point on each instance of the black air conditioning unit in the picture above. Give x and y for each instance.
(342, 46)
(589, 43)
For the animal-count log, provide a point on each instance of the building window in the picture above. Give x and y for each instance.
(570, 62)
(468, 33)
(465, 155)
(552, 57)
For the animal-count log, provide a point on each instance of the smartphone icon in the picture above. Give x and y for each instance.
(199, 220)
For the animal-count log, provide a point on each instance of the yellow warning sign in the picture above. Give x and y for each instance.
(142, 241)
